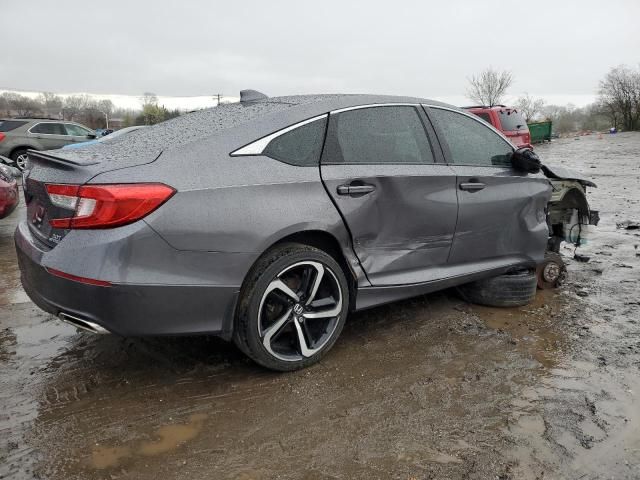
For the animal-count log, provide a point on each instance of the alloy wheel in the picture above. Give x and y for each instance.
(21, 161)
(299, 311)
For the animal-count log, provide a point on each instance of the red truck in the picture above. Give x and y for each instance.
(506, 119)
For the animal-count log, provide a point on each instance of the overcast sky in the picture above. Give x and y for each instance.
(427, 49)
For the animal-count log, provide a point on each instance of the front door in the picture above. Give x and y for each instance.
(76, 133)
(502, 212)
(396, 195)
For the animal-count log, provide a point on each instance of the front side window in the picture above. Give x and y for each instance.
(383, 135)
(471, 142)
(76, 130)
(301, 146)
(48, 129)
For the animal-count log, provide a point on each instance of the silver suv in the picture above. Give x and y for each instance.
(17, 135)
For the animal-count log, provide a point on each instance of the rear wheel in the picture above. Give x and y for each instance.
(509, 290)
(292, 307)
(20, 157)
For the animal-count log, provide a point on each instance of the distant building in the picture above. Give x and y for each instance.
(116, 123)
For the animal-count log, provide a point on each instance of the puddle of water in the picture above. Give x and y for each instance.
(169, 438)
(530, 327)
(106, 457)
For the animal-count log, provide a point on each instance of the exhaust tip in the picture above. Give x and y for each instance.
(81, 323)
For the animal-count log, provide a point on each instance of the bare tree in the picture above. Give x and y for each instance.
(51, 103)
(21, 104)
(148, 98)
(620, 96)
(489, 86)
(529, 106)
(74, 105)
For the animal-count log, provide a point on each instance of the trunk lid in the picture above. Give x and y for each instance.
(45, 168)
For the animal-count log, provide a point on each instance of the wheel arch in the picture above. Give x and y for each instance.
(20, 147)
(329, 243)
(574, 197)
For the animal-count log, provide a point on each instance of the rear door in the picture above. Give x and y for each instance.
(502, 212)
(393, 190)
(49, 135)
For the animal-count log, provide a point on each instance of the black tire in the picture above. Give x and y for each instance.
(258, 300)
(509, 290)
(15, 155)
(552, 272)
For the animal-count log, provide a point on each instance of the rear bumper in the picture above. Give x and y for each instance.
(127, 309)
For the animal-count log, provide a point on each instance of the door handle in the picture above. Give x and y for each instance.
(472, 186)
(355, 190)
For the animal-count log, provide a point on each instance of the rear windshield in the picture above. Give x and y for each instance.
(511, 120)
(8, 125)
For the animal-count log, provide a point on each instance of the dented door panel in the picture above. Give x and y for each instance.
(401, 230)
(505, 218)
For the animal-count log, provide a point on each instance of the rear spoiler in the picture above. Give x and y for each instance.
(62, 161)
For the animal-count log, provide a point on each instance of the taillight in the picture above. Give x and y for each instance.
(106, 206)
(2, 135)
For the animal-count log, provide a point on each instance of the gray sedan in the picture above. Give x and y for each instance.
(291, 213)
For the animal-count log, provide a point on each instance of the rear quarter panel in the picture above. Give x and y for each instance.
(235, 205)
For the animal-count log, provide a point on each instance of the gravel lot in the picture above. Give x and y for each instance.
(426, 388)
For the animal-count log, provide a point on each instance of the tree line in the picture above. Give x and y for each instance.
(617, 104)
(84, 109)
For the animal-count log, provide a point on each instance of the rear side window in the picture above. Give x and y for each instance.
(49, 129)
(385, 135)
(301, 146)
(511, 120)
(8, 125)
(471, 142)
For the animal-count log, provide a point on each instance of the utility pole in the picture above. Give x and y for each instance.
(106, 118)
(218, 96)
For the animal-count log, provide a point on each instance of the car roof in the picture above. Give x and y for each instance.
(249, 120)
(30, 119)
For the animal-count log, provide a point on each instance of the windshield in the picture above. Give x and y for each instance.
(511, 120)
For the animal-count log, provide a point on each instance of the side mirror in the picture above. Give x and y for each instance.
(525, 160)
(91, 136)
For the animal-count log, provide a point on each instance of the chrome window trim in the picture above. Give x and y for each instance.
(258, 146)
(59, 122)
(44, 123)
(477, 119)
(373, 105)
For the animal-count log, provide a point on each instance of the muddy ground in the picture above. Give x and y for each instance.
(427, 388)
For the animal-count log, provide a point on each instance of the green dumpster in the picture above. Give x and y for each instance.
(540, 131)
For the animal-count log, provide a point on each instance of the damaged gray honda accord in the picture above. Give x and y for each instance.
(267, 221)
